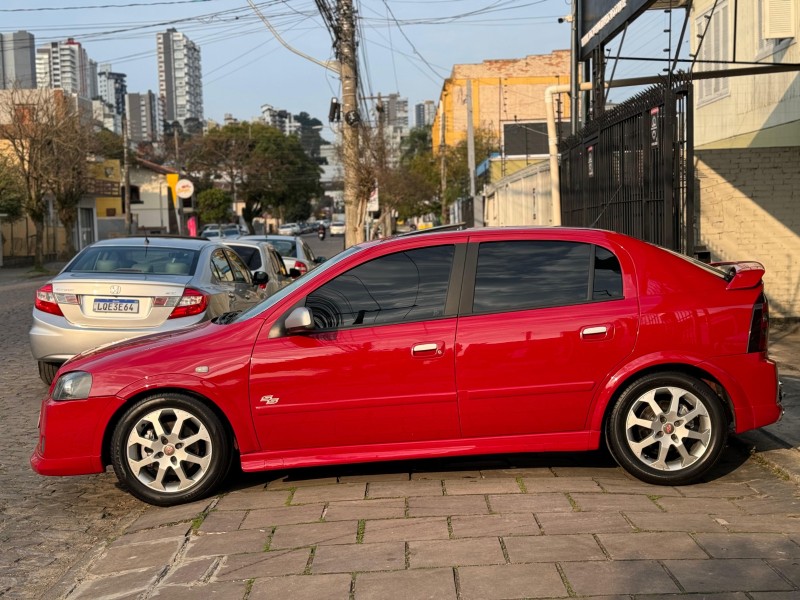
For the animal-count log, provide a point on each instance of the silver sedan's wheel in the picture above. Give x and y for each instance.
(667, 428)
(169, 449)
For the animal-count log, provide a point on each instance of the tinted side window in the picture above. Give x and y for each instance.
(607, 275)
(530, 274)
(406, 286)
(250, 256)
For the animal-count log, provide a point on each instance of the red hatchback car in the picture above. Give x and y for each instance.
(438, 344)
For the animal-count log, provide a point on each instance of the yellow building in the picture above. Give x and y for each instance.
(104, 184)
(505, 93)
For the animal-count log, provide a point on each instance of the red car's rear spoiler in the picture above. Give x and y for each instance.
(742, 275)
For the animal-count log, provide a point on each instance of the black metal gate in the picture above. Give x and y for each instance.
(631, 170)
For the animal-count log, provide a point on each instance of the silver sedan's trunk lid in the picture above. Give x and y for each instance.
(144, 302)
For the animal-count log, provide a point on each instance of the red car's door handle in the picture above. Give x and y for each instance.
(596, 332)
(427, 350)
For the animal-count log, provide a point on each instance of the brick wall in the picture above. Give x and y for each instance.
(749, 209)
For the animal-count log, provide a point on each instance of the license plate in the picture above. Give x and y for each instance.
(115, 305)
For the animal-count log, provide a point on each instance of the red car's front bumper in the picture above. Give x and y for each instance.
(71, 436)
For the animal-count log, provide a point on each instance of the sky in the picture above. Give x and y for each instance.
(405, 46)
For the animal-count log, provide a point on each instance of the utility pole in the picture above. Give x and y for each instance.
(126, 178)
(354, 205)
(346, 67)
(477, 206)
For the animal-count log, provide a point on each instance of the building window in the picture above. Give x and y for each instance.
(774, 20)
(713, 27)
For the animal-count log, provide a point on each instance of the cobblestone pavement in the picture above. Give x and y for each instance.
(532, 526)
(47, 525)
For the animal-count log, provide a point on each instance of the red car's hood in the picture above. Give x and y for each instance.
(137, 342)
(180, 351)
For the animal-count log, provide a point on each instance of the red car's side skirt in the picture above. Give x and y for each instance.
(312, 457)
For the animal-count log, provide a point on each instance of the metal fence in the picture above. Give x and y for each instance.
(631, 169)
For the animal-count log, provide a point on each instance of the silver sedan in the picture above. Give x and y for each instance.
(128, 287)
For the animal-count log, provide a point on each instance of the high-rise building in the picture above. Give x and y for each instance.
(393, 114)
(279, 119)
(65, 65)
(103, 113)
(143, 117)
(112, 88)
(180, 79)
(17, 60)
(424, 113)
(395, 111)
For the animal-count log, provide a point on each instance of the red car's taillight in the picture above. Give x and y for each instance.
(46, 300)
(759, 326)
(191, 303)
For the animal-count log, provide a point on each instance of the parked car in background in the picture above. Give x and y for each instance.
(262, 256)
(128, 287)
(208, 227)
(337, 228)
(295, 252)
(224, 232)
(481, 341)
(289, 229)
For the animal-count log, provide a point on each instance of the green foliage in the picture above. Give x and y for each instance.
(108, 144)
(266, 170)
(214, 206)
(12, 192)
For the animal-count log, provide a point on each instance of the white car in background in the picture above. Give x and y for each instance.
(296, 254)
(262, 256)
(289, 229)
(337, 228)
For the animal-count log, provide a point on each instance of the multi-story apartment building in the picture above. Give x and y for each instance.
(424, 113)
(143, 118)
(66, 65)
(112, 87)
(280, 119)
(392, 112)
(180, 78)
(17, 60)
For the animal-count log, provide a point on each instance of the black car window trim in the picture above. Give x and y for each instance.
(471, 269)
(452, 295)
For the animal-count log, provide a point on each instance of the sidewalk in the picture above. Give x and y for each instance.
(10, 275)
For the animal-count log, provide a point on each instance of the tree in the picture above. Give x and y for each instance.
(457, 166)
(214, 206)
(30, 121)
(221, 154)
(310, 138)
(11, 191)
(281, 178)
(263, 168)
(68, 179)
(108, 144)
